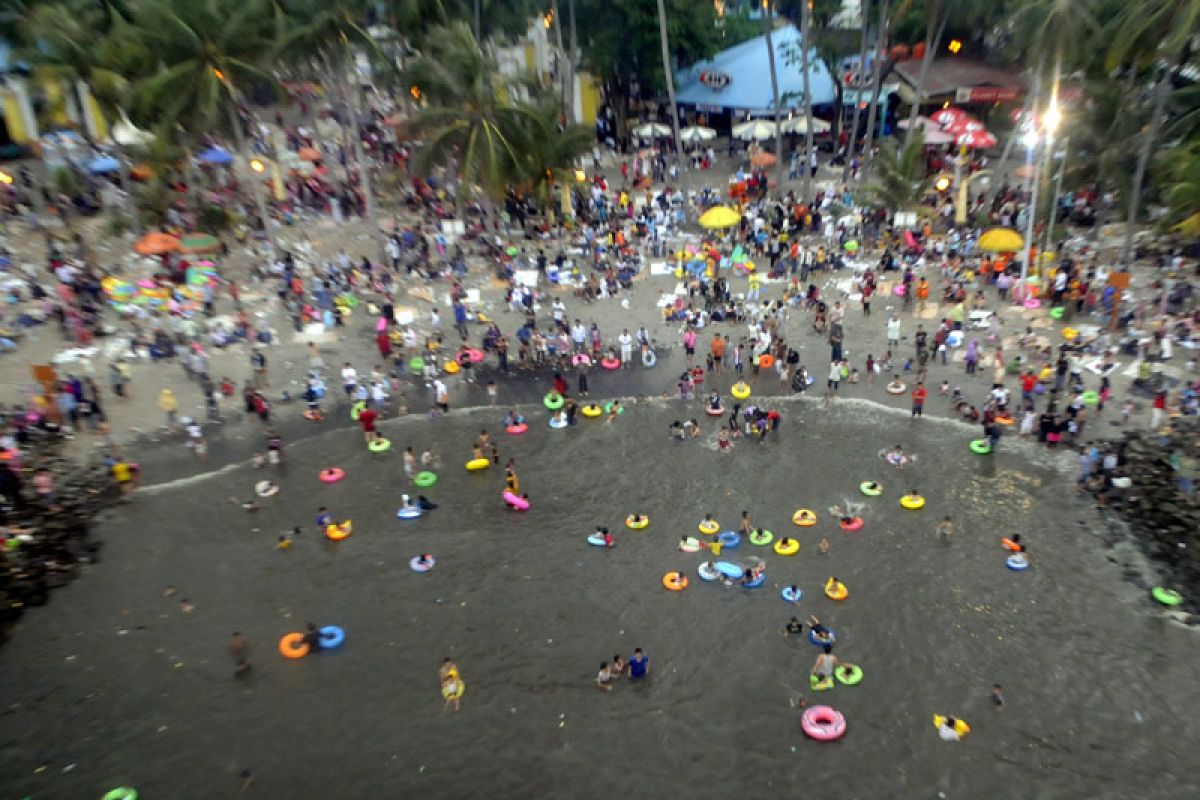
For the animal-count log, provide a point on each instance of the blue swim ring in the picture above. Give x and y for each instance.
(790, 596)
(411, 512)
(729, 539)
(812, 637)
(1017, 562)
(730, 570)
(332, 637)
(707, 571)
(756, 583)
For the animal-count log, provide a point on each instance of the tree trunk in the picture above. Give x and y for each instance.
(876, 82)
(256, 186)
(135, 214)
(936, 26)
(1161, 90)
(1032, 101)
(348, 95)
(666, 58)
(806, 47)
(566, 73)
(862, 69)
(767, 26)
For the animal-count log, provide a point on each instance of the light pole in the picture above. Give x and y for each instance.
(1030, 140)
(1050, 123)
(1057, 193)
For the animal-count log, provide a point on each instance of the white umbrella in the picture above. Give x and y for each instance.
(799, 124)
(754, 129)
(649, 130)
(697, 133)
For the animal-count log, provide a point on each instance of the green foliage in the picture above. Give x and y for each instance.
(900, 173)
(213, 219)
(65, 182)
(1181, 186)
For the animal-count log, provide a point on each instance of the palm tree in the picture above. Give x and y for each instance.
(937, 15)
(901, 168)
(209, 53)
(767, 31)
(326, 36)
(1152, 32)
(471, 118)
(864, 12)
(670, 78)
(806, 47)
(881, 39)
(1182, 187)
(548, 153)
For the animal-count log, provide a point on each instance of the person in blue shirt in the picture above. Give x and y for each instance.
(639, 665)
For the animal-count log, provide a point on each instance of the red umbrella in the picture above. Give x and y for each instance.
(949, 115)
(966, 125)
(977, 140)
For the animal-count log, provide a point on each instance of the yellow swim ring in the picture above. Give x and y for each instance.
(960, 727)
(453, 687)
(592, 410)
(804, 517)
(476, 464)
(912, 501)
(636, 521)
(709, 526)
(740, 390)
(451, 367)
(787, 547)
(836, 590)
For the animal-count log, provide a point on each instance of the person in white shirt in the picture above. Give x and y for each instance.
(893, 331)
(560, 311)
(349, 379)
(579, 336)
(626, 342)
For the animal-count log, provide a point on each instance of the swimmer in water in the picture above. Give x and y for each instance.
(636, 519)
(608, 538)
(613, 411)
(997, 695)
(425, 504)
(896, 457)
(677, 430)
(714, 401)
(512, 418)
(819, 631)
(688, 430)
(794, 627)
(695, 428)
(723, 440)
(823, 546)
(873, 486)
(511, 482)
(945, 528)
(284, 543)
(746, 526)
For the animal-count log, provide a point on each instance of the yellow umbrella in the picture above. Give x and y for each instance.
(1000, 240)
(720, 217)
(1191, 225)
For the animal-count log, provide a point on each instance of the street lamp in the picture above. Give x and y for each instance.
(1030, 140)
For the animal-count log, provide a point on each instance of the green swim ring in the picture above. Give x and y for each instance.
(425, 479)
(980, 447)
(850, 674)
(761, 537)
(1168, 597)
(608, 407)
(121, 793)
(379, 445)
(1056, 312)
(870, 488)
(553, 401)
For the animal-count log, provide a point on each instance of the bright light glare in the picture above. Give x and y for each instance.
(1053, 118)
(1029, 139)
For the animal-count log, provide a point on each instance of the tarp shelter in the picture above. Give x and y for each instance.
(740, 78)
(959, 80)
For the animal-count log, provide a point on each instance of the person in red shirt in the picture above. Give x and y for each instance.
(918, 400)
(367, 418)
(868, 288)
(1028, 383)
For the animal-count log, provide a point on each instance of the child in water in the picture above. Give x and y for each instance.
(823, 546)
(945, 528)
(723, 440)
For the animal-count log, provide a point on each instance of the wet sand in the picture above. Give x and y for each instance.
(114, 679)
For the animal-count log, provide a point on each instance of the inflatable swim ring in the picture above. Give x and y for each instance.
(1168, 597)
(610, 363)
(690, 544)
(719, 411)
(823, 723)
(707, 571)
(674, 582)
(557, 423)
(581, 359)
(836, 590)
(332, 637)
(1009, 544)
(516, 501)
(379, 445)
(960, 727)
(1056, 312)
(266, 489)
(332, 474)
(814, 639)
(357, 409)
(1017, 562)
(409, 512)
(633, 523)
(912, 501)
(896, 387)
(761, 537)
(425, 478)
(870, 488)
(1005, 419)
(553, 401)
(820, 685)
(787, 547)
(608, 407)
(338, 532)
(517, 430)
(1091, 398)
(896, 459)
(791, 594)
(454, 686)
(709, 526)
(756, 583)
(649, 359)
(730, 570)
(848, 674)
(740, 390)
(596, 540)
(475, 354)
(854, 524)
(121, 793)
(417, 364)
(804, 517)
(1032, 302)
(592, 410)
(766, 361)
(416, 565)
(451, 367)
(729, 540)
(293, 646)
(980, 447)
(476, 464)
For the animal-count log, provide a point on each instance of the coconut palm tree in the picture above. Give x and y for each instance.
(881, 39)
(901, 174)
(864, 14)
(1152, 33)
(1181, 189)
(210, 52)
(670, 78)
(471, 119)
(548, 153)
(805, 63)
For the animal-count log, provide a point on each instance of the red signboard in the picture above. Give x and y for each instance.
(986, 94)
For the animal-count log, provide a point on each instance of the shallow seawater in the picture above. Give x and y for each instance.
(114, 679)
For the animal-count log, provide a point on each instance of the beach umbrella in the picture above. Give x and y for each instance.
(1000, 240)
(310, 154)
(156, 243)
(216, 155)
(763, 159)
(948, 115)
(754, 129)
(697, 133)
(199, 243)
(976, 140)
(649, 130)
(965, 125)
(102, 164)
(799, 124)
(720, 217)
(934, 137)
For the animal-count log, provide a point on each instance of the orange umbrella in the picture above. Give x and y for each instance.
(763, 159)
(153, 244)
(310, 154)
